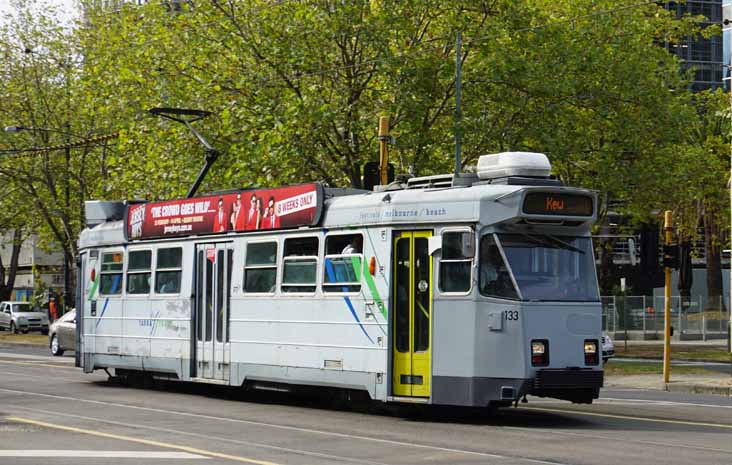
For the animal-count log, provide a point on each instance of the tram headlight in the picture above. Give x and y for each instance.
(540, 352)
(592, 355)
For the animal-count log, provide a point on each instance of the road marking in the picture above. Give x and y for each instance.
(338, 458)
(629, 417)
(634, 402)
(36, 364)
(293, 428)
(39, 376)
(663, 402)
(164, 445)
(47, 358)
(101, 454)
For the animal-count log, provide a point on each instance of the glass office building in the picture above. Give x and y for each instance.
(705, 56)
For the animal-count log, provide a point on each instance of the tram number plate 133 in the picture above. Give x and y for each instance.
(511, 315)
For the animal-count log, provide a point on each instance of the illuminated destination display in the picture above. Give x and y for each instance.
(554, 203)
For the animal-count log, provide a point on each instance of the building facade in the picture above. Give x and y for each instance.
(704, 56)
(39, 271)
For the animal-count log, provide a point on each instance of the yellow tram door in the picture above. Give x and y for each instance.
(412, 315)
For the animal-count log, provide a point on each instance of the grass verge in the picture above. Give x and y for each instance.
(678, 352)
(615, 368)
(30, 338)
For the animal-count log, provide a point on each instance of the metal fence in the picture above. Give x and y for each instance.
(641, 317)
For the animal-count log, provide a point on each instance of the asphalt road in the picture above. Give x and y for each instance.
(51, 413)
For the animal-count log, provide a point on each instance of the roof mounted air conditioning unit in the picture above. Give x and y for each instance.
(507, 164)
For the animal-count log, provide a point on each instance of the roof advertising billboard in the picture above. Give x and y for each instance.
(245, 210)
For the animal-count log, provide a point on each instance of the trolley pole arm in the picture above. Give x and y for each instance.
(211, 155)
(178, 114)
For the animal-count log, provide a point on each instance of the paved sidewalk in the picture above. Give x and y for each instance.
(720, 384)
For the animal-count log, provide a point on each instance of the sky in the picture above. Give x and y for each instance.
(67, 9)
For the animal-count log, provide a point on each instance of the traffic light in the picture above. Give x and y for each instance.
(371, 174)
(671, 256)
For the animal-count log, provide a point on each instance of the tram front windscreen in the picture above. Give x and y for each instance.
(551, 268)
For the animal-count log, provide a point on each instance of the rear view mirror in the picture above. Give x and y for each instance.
(468, 244)
(434, 243)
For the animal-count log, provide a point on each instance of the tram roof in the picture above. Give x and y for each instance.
(482, 203)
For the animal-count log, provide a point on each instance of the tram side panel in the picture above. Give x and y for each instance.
(334, 339)
(162, 323)
(147, 332)
(102, 322)
(479, 357)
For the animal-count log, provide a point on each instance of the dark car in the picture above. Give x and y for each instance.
(62, 334)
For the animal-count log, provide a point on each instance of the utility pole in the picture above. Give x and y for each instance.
(668, 228)
(67, 205)
(458, 110)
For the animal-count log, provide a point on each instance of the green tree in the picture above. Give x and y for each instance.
(42, 97)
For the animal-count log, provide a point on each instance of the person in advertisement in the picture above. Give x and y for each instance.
(237, 214)
(251, 222)
(271, 220)
(260, 214)
(221, 219)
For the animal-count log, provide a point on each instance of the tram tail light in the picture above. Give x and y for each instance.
(592, 355)
(93, 274)
(372, 266)
(540, 352)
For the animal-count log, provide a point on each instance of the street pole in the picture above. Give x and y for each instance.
(458, 95)
(384, 150)
(67, 205)
(668, 228)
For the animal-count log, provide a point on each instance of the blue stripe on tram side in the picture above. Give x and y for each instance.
(332, 277)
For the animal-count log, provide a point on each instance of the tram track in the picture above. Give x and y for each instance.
(427, 447)
(546, 419)
(431, 447)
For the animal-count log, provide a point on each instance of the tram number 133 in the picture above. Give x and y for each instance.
(511, 315)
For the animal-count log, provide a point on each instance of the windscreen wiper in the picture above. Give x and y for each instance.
(566, 245)
(552, 242)
(532, 238)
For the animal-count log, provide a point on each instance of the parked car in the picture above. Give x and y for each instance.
(20, 316)
(62, 335)
(608, 348)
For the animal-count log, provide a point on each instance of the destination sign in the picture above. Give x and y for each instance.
(245, 210)
(553, 203)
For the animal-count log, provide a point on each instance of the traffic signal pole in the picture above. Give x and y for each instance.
(668, 228)
(384, 150)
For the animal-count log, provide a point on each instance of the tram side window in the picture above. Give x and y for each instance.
(138, 271)
(343, 263)
(111, 273)
(455, 263)
(168, 270)
(260, 269)
(495, 279)
(299, 264)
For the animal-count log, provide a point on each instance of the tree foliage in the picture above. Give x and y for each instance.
(296, 89)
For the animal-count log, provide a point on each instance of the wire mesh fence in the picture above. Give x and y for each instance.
(642, 317)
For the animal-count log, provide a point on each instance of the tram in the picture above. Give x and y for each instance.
(466, 290)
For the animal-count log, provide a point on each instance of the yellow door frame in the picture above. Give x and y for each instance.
(411, 369)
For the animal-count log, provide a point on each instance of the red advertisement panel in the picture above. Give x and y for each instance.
(278, 208)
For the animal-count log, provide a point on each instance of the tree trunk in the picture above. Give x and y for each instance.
(713, 253)
(7, 276)
(605, 271)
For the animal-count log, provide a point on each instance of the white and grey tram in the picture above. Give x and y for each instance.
(468, 290)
